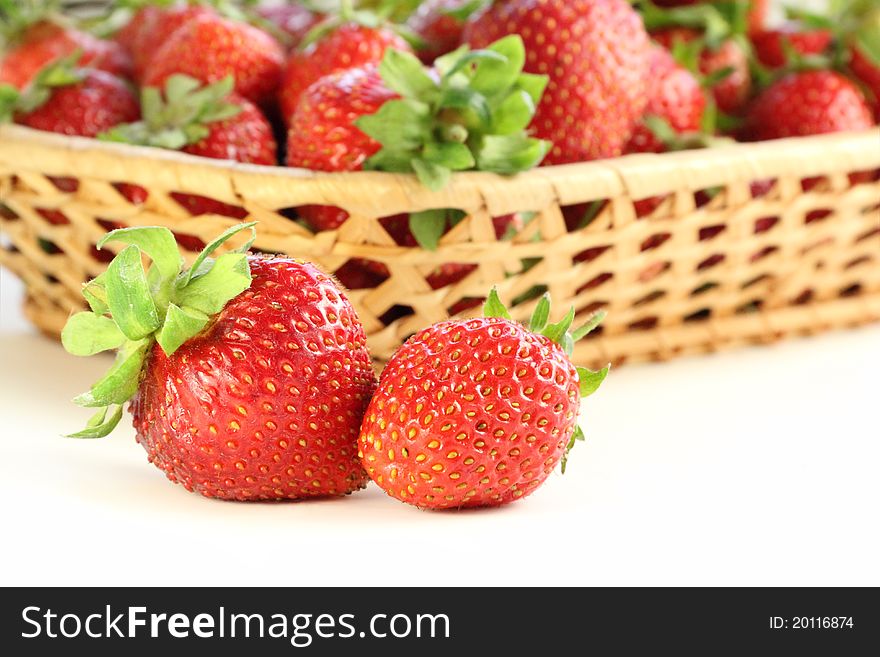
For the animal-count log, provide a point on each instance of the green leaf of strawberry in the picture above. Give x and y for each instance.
(133, 307)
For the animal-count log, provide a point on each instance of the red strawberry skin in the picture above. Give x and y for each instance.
(675, 95)
(596, 54)
(468, 413)
(441, 32)
(209, 48)
(266, 403)
(731, 93)
(45, 43)
(808, 103)
(151, 27)
(869, 74)
(348, 46)
(770, 50)
(87, 108)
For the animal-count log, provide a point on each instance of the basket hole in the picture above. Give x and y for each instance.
(109, 225)
(763, 253)
(765, 224)
(647, 206)
(704, 197)
(581, 215)
(804, 297)
(699, 316)
(54, 217)
(711, 261)
(51, 279)
(761, 188)
(705, 287)
(655, 241)
(645, 324)
(198, 205)
(650, 298)
(757, 279)
(64, 184)
(99, 255)
(817, 215)
(48, 246)
(134, 194)
(532, 293)
(852, 290)
(7, 213)
(359, 274)
(752, 306)
(815, 183)
(858, 261)
(189, 242)
(862, 177)
(463, 305)
(595, 282)
(711, 232)
(654, 270)
(396, 313)
(588, 255)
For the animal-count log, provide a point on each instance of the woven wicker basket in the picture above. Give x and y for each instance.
(685, 279)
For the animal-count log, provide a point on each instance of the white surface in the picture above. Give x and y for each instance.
(755, 467)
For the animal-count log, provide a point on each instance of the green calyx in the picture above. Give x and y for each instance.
(60, 73)
(179, 116)
(133, 307)
(16, 16)
(375, 15)
(562, 334)
(472, 115)
(716, 22)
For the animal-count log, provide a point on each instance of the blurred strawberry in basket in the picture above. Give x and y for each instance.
(595, 53)
(209, 48)
(756, 10)
(440, 24)
(207, 120)
(294, 20)
(402, 117)
(337, 44)
(33, 35)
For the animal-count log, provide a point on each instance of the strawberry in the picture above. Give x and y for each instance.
(343, 47)
(151, 27)
(772, 46)
(476, 412)
(427, 131)
(596, 55)
(209, 48)
(294, 20)
(867, 69)
(205, 120)
(44, 43)
(248, 375)
(440, 23)
(675, 96)
(71, 101)
(756, 16)
(808, 103)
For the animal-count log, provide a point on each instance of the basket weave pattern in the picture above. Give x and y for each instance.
(690, 277)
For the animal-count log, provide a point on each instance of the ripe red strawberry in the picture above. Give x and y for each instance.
(476, 412)
(440, 24)
(675, 96)
(731, 92)
(868, 73)
(596, 55)
(294, 20)
(248, 375)
(72, 101)
(808, 103)
(151, 27)
(347, 46)
(45, 43)
(209, 48)
(770, 45)
(210, 121)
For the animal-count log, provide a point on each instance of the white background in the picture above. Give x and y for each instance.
(754, 467)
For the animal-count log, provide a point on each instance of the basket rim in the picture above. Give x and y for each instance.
(636, 175)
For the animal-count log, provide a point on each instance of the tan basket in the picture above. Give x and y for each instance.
(668, 291)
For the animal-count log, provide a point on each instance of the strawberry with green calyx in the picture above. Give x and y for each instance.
(207, 120)
(66, 99)
(471, 112)
(248, 375)
(477, 412)
(440, 24)
(34, 34)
